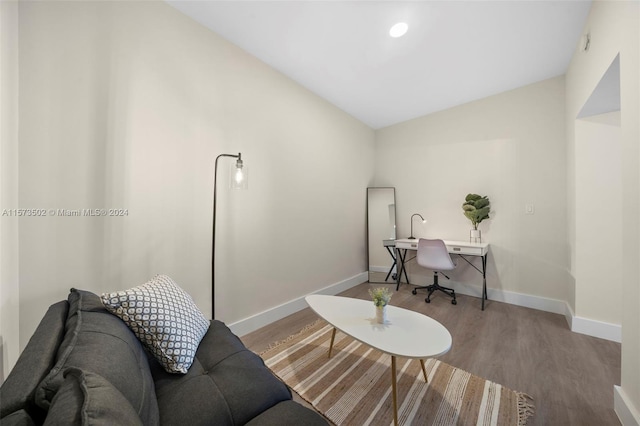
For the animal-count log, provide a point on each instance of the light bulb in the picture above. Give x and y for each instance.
(398, 30)
(238, 175)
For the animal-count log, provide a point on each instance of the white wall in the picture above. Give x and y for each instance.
(509, 147)
(126, 105)
(614, 28)
(9, 290)
(598, 163)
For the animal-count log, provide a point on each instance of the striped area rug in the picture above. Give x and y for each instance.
(354, 386)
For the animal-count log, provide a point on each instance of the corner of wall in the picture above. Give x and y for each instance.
(254, 322)
(626, 412)
(9, 290)
(568, 315)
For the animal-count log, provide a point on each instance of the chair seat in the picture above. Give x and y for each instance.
(433, 254)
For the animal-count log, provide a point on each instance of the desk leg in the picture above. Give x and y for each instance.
(483, 272)
(392, 266)
(400, 266)
(333, 336)
(401, 256)
(484, 280)
(394, 390)
(404, 268)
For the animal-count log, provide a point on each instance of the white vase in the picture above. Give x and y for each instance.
(475, 236)
(381, 314)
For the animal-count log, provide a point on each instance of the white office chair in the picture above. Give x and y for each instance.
(433, 254)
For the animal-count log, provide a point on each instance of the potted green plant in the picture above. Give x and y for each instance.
(476, 208)
(381, 297)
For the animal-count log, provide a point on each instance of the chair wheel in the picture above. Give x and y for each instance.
(454, 302)
(427, 300)
(414, 291)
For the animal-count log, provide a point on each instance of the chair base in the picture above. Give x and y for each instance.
(436, 287)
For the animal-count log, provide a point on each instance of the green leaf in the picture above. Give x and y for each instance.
(471, 215)
(482, 214)
(482, 202)
(468, 207)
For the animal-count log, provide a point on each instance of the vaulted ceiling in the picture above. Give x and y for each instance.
(453, 52)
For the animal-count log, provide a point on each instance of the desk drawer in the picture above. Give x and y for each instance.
(413, 245)
(473, 251)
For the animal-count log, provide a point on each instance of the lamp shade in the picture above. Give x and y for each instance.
(238, 176)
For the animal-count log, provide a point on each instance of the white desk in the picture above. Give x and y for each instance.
(461, 248)
(407, 334)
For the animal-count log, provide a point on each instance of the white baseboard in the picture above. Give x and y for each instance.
(519, 299)
(627, 413)
(577, 324)
(254, 322)
(591, 327)
(568, 315)
(528, 301)
(595, 328)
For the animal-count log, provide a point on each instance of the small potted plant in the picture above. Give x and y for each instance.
(476, 208)
(381, 297)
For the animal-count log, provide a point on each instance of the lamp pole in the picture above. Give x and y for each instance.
(239, 166)
(423, 221)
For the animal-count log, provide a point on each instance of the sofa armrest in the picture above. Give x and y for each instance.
(34, 363)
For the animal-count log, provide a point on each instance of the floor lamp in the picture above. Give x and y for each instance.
(238, 181)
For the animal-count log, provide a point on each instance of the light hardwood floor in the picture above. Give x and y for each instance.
(569, 375)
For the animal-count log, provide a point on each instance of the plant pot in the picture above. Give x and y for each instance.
(475, 236)
(381, 314)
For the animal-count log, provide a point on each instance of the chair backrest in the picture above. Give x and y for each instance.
(433, 254)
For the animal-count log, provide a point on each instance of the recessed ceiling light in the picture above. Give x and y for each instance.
(398, 30)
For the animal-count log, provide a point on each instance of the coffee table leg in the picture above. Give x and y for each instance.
(424, 371)
(394, 390)
(333, 336)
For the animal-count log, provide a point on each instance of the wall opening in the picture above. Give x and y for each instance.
(598, 202)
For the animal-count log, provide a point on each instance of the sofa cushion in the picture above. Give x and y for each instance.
(98, 342)
(35, 362)
(288, 413)
(226, 385)
(165, 319)
(89, 399)
(17, 418)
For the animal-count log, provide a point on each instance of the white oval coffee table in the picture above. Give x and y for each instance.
(406, 334)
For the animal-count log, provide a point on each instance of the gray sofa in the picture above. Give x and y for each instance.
(83, 365)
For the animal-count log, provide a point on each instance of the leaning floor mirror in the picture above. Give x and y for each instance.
(381, 234)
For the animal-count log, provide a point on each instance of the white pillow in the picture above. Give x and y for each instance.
(164, 318)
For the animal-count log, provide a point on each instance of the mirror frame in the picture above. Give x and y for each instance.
(393, 191)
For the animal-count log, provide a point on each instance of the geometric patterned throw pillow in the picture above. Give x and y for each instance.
(164, 318)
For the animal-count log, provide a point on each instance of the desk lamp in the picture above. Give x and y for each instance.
(239, 180)
(423, 221)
